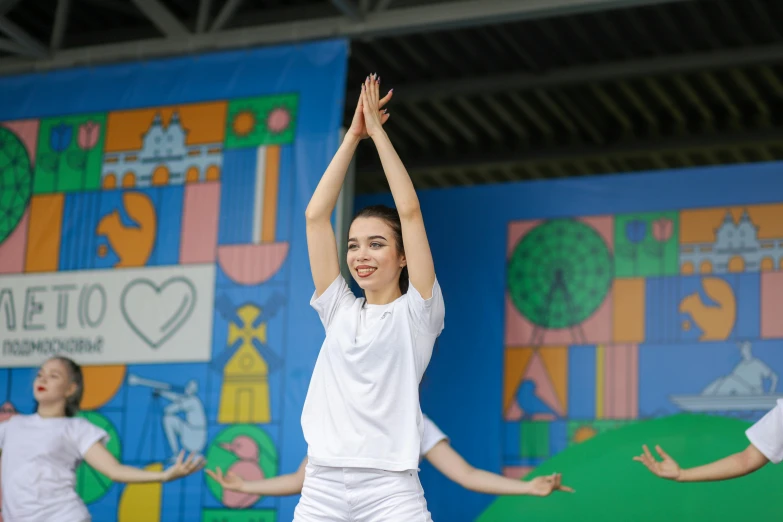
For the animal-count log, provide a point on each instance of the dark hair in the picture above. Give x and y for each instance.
(73, 401)
(392, 218)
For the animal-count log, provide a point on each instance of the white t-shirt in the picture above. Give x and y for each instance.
(40, 456)
(767, 434)
(432, 435)
(362, 406)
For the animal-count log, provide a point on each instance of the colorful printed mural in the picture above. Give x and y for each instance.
(155, 245)
(578, 308)
(597, 306)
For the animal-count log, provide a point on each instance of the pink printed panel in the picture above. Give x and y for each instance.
(200, 223)
(771, 300)
(621, 381)
(12, 250)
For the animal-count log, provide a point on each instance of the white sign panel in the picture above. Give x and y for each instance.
(125, 316)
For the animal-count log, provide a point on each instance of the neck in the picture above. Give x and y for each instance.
(382, 297)
(51, 410)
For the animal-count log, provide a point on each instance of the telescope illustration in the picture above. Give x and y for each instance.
(135, 380)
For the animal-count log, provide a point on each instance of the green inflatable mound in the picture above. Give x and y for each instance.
(611, 487)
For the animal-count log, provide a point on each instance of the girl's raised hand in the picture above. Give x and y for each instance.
(374, 117)
(358, 129)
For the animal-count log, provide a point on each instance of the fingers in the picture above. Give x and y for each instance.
(566, 489)
(647, 453)
(371, 89)
(365, 102)
(376, 89)
(214, 476)
(383, 101)
(662, 453)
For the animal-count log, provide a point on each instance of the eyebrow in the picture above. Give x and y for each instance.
(369, 237)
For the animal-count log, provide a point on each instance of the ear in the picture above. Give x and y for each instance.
(71, 390)
(403, 261)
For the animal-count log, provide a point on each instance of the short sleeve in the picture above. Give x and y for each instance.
(3, 427)
(337, 296)
(85, 434)
(767, 434)
(432, 435)
(427, 315)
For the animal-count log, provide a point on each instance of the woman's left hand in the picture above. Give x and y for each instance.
(183, 468)
(374, 118)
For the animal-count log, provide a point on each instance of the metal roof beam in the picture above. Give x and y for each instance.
(202, 16)
(60, 23)
(404, 20)
(29, 45)
(665, 65)
(225, 15)
(678, 145)
(166, 22)
(348, 8)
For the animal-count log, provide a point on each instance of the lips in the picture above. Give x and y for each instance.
(365, 271)
(41, 389)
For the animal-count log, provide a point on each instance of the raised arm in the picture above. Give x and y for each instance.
(280, 486)
(321, 243)
(421, 270)
(100, 459)
(455, 468)
(733, 466)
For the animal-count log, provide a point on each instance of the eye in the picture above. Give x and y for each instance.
(375, 244)
(352, 246)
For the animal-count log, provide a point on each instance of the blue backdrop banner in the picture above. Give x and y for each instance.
(152, 229)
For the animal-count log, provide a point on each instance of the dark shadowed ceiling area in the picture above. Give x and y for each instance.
(485, 91)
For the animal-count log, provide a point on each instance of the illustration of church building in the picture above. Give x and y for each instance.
(737, 248)
(164, 159)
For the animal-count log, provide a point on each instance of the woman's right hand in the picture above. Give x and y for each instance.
(358, 129)
(230, 481)
(666, 468)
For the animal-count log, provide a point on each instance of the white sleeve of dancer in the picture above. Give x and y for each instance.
(335, 298)
(767, 434)
(427, 315)
(85, 434)
(432, 436)
(2, 433)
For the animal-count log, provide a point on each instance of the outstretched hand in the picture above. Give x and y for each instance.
(667, 468)
(358, 125)
(182, 468)
(230, 480)
(544, 486)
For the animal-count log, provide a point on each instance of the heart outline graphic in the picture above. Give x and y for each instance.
(173, 323)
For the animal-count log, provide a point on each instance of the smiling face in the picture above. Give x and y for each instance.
(54, 383)
(373, 256)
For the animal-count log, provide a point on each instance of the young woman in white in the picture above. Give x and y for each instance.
(435, 448)
(361, 418)
(766, 445)
(40, 452)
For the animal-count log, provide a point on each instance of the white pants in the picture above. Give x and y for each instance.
(361, 495)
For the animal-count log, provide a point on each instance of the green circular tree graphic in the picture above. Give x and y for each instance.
(90, 484)
(16, 182)
(559, 273)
